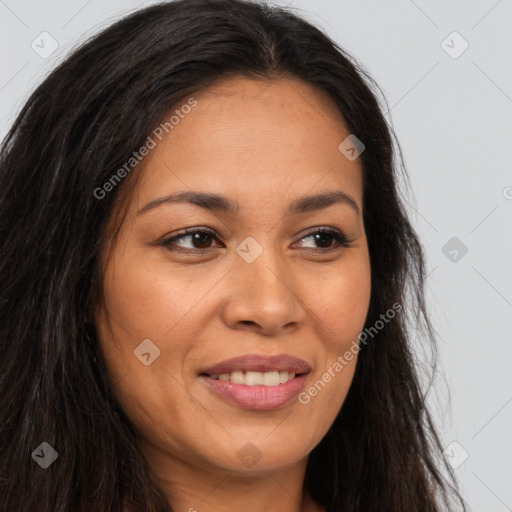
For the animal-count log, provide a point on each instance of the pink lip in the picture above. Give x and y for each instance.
(257, 397)
(259, 363)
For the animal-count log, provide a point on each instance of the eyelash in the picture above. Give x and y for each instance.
(337, 235)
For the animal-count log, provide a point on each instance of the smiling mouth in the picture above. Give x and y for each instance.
(252, 390)
(251, 378)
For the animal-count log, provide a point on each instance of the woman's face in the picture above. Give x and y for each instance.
(262, 285)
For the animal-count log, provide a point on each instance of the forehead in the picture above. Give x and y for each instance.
(256, 140)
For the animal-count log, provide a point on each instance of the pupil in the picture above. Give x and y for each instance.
(199, 237)
(320, 238)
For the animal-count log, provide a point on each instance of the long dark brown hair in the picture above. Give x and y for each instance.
(78, 128)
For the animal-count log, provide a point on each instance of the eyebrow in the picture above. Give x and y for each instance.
(217, 203)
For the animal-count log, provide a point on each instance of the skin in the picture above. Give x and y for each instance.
(262, 144)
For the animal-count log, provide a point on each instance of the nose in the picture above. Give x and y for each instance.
(262, 297)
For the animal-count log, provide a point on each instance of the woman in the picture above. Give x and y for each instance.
(206, 279)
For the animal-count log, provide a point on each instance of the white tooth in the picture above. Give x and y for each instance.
(253, 378)
(237, 377)
(271, 378)
(283, 377)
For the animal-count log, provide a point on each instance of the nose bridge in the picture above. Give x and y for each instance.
(262, 287)
(264, 274)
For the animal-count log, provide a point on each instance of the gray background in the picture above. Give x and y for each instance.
(453, 116)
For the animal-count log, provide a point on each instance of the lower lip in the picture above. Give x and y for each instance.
(257, 397)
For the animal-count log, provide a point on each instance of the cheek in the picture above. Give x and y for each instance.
(138, 307)
(145, 300)
(142, 305)
(341, 311)
(342, 304)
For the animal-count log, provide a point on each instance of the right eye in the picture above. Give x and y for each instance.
(199, 238)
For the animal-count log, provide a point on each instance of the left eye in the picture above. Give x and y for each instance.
(320, 236)
(202, 239)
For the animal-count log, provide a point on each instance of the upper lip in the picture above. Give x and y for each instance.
(259, 363)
